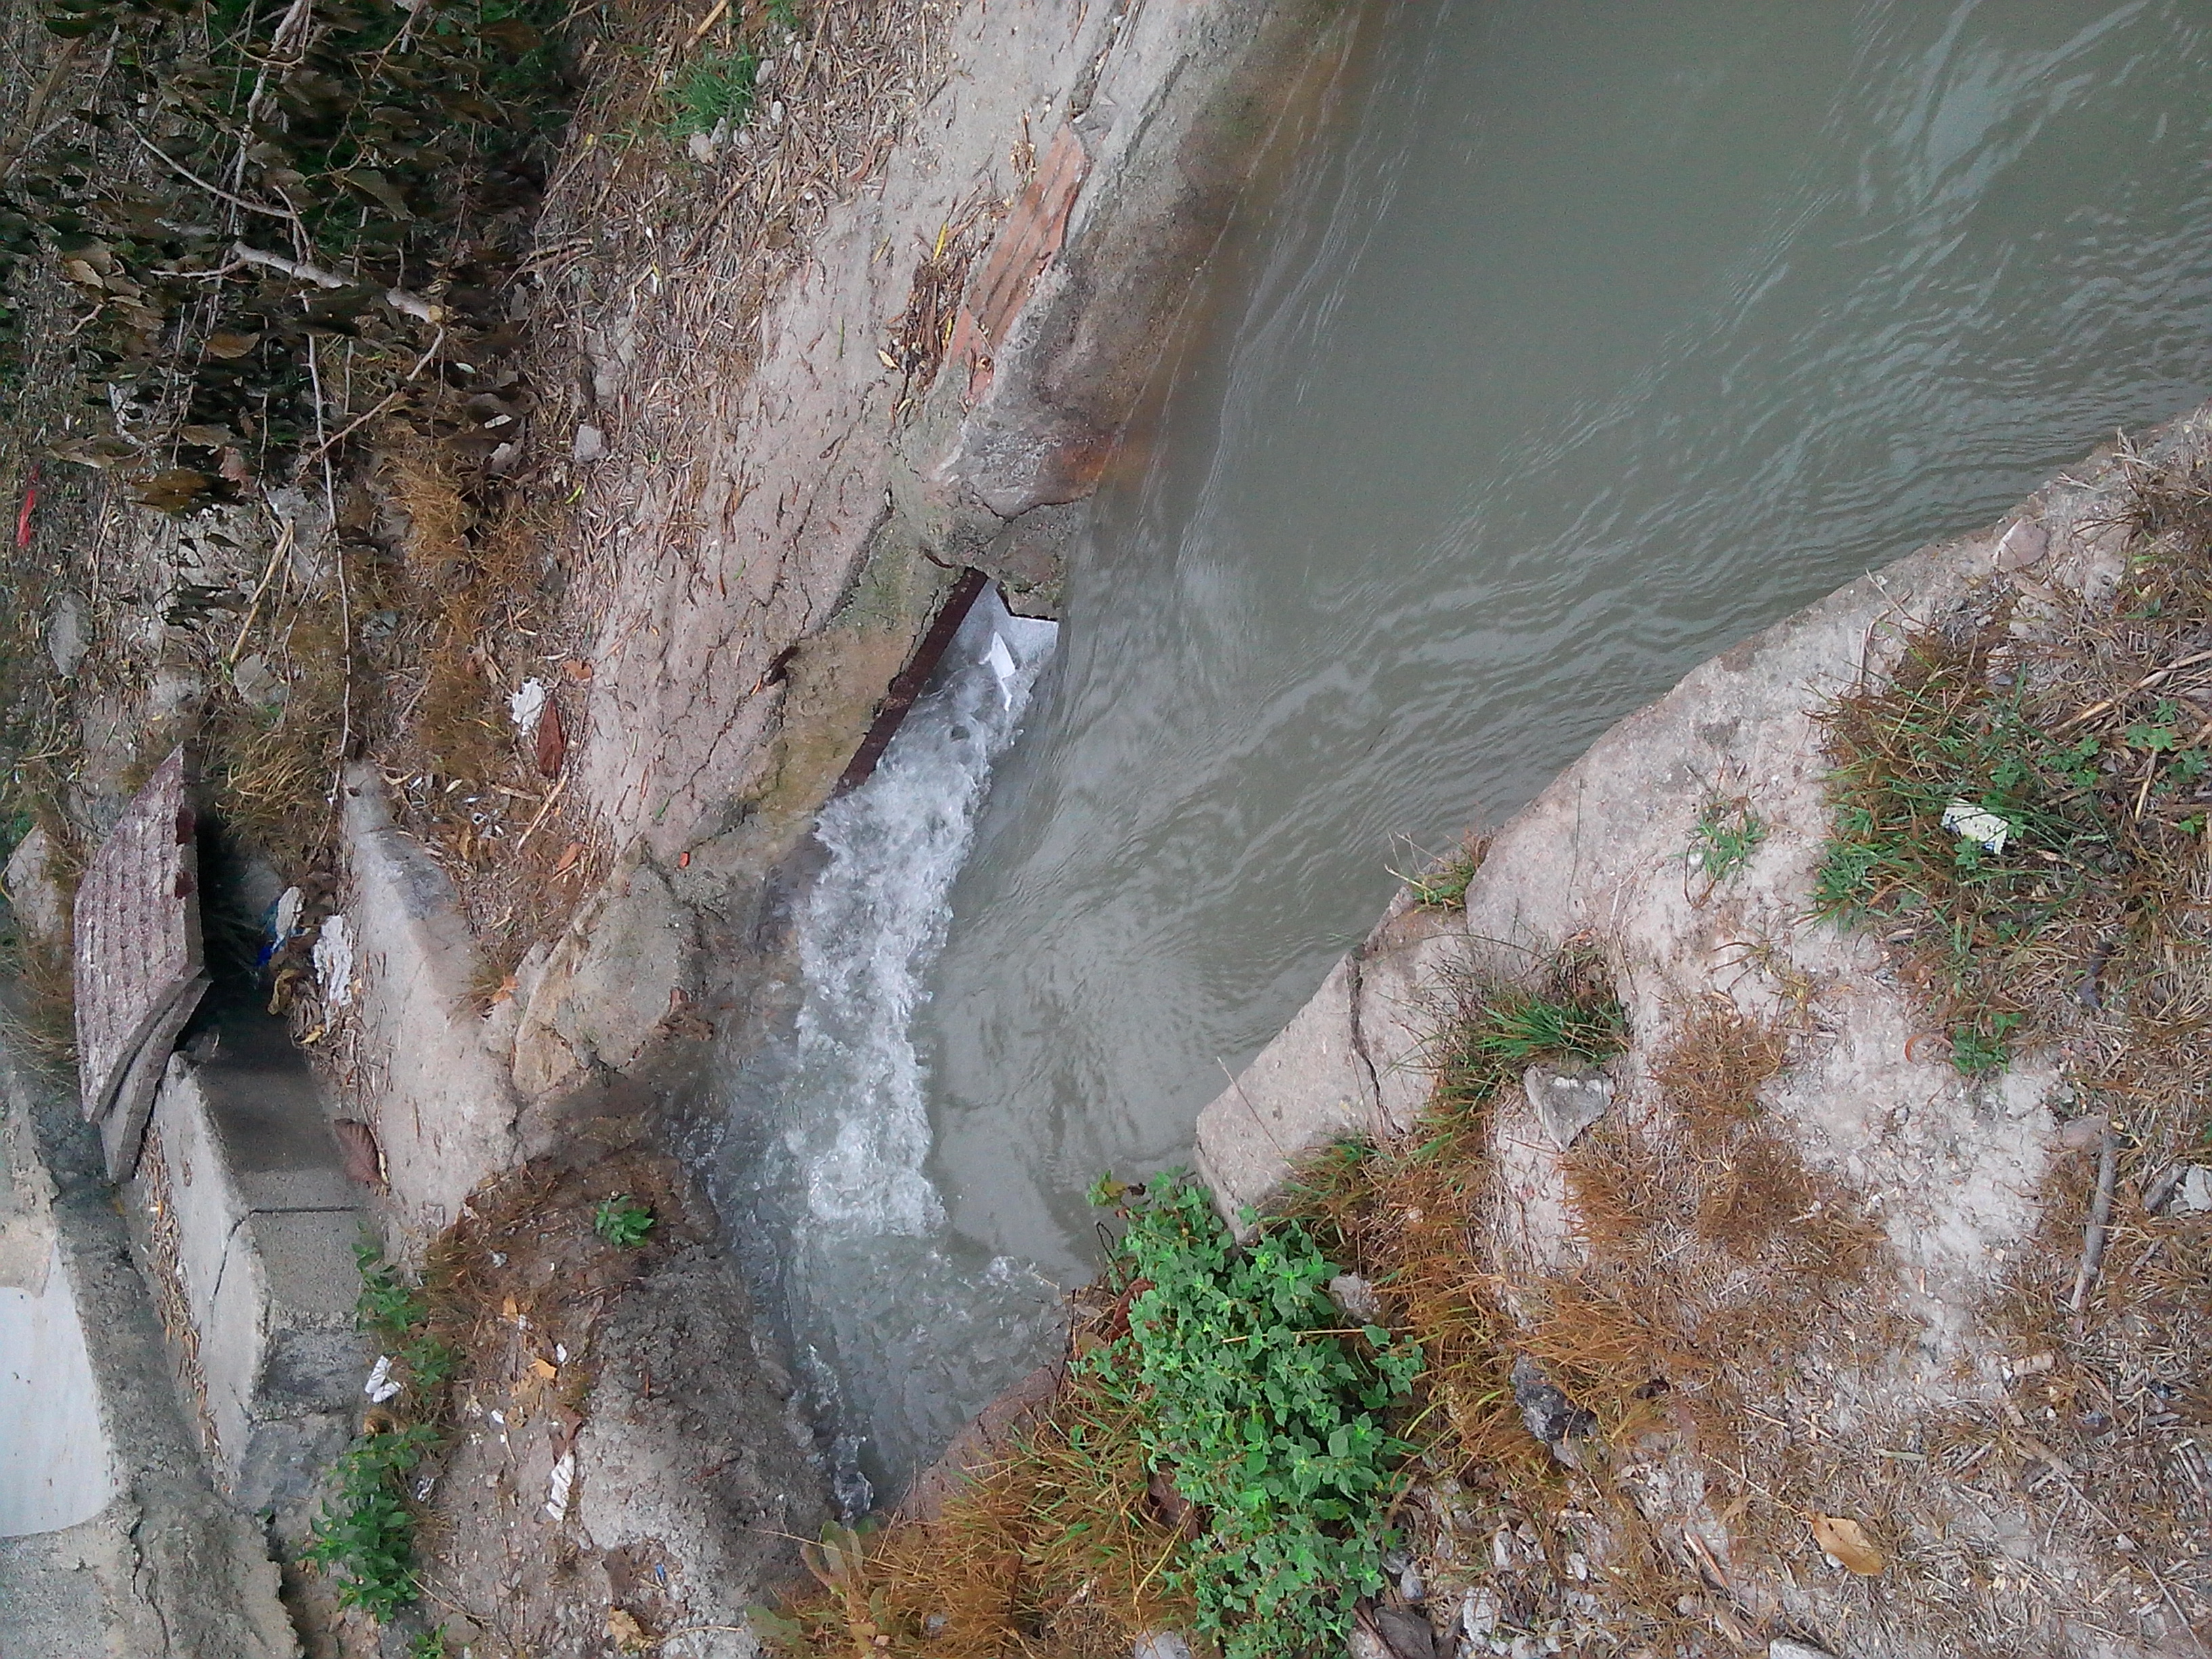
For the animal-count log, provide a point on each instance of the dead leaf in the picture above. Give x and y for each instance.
(545, 1368)
(225, 343)
(577, 670)
(552, 741)
(569, 854)
(358, 1151)
(1847, 1542)
(625, 1632)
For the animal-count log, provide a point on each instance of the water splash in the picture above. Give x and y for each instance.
(901, 1328)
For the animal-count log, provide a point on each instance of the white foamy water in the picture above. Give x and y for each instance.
(901, 1329)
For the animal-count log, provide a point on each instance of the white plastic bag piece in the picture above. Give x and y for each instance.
(526, 705)
(1976, 823)
(334, 963)
(1001, 662)
(289, 903)
(557, 1487)
(379, 1387)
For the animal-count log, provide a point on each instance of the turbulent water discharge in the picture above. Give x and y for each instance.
(895, 1325)
(1589, 337)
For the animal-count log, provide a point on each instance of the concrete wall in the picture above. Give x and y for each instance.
(55, 1462)
(166, 1569)
(241, 1206)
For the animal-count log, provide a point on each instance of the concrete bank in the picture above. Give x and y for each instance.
(147, 1556)
(1949, 1166)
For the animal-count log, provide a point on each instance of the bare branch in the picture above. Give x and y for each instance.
(410, 305)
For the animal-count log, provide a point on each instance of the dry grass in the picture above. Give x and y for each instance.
(2085, 724)
(1054, 1551)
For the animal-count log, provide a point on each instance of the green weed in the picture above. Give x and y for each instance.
(1500, 1029)
(716, 89)
(1978, 1050)
(1728, 832)
(622, 1221)
(388, 1304)
(1250, 1399)
(365, 1532)
(430, 1644)
(1443, 885)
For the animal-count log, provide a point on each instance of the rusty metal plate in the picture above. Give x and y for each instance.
(138, 964)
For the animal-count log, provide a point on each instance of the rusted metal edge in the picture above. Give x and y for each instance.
(905, 687)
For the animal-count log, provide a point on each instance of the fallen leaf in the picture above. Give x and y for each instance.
(569, 854)
(226, 344)
(552, 741)
(1847, 1542)
(545, 1368)
(577, 670)
(625, 1632)
(358, 1151)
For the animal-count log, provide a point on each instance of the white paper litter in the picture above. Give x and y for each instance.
(1993, 830)
(334, 962)
(526, 705)
(557, 1486)
(1001, 662)
(379, 1387)
(289, 903)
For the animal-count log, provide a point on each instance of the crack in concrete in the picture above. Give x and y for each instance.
(1356, 984)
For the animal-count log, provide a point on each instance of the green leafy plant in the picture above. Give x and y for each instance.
(1977, 1050)
(430, 1644)
(1266, 1414)
(622, 1221)
(364, 1531)
(716, 89)
(388, 1304)
(1728, 832)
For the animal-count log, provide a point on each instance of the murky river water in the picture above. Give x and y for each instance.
(1595, 336)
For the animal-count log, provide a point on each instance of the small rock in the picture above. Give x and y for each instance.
(1411, 1587)
(2192, 1193)
(702, 146)
(259, 684)
(2022, 545)
(590, 445)
(65, 635)
(33, 891)
(1783, 1647)
(1161, 1645)
(1355, 1298)
(1569, 1099)
(1404, 1633)
(1478, 1617)
(1549, 1415)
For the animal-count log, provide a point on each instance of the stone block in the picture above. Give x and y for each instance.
(610, 985)
(249, 1225)
(34, 892)
(442, 1107)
